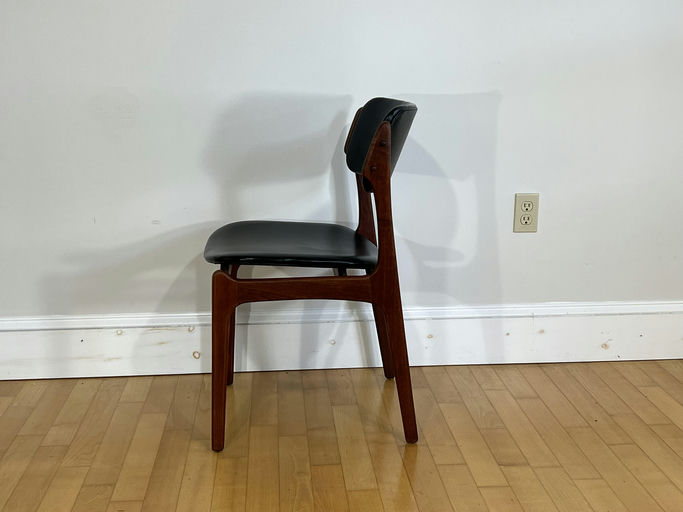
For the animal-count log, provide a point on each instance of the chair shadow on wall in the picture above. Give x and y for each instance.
(279, 154)
(460, 129)
(275, 156)
(447, 241)
(274, 162)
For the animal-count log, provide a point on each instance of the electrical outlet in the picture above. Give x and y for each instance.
(526, 213)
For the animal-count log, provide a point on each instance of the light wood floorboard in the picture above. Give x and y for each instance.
(531, 438)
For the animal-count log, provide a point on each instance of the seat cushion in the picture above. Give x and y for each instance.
(294, 244)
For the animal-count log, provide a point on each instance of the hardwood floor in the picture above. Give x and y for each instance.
(561, 437)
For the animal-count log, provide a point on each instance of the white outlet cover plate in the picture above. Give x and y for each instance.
(521, 208)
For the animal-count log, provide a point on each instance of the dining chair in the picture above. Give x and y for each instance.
(372, 148)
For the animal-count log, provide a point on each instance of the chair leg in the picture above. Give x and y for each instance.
(230, 374)
(220, 317)
(399, 352)
(384, 347)
(230, 356)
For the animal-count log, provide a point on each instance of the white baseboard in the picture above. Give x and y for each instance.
(343, 337)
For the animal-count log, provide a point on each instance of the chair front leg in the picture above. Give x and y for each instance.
(222, 315)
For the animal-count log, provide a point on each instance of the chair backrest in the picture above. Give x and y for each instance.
(400, 116)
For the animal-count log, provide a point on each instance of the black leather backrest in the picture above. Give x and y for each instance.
(400, 116)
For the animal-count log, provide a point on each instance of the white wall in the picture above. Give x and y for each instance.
(130, 130)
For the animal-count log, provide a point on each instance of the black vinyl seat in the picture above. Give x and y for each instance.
(290, 244)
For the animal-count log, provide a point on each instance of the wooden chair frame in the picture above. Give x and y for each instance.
(379, 287)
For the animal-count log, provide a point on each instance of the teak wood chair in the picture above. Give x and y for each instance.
(372, 148)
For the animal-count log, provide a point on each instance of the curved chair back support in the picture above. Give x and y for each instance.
(366, 124)
(399, 114)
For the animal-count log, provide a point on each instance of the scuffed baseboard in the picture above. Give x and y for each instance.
(340, 337)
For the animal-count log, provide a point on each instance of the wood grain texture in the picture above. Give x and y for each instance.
(528, 489)
(33, 484)
(587, 406)
(353, 449)
(14, 462)
(428, 488)
(333, 441)
(613, 471)
(568, 454)
(393, 482)
(230, 484)
(501, 499)
(462, 489)
(63, 490)
(66, 424)
(295, 474)
(329, 493)
(167, 472)
(647, 473)
(139, 461)
(474, 398)
(196, 487)
(93, 498)
(528, 439)
(107, 463)
(484, 468)
(85, 444)
(600, 496)
(562, 490)
(263, 491)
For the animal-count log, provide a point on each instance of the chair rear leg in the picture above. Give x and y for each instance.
(399, 352)
(230, 374)
(230, 356)
(384, 346)
(222, 309)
